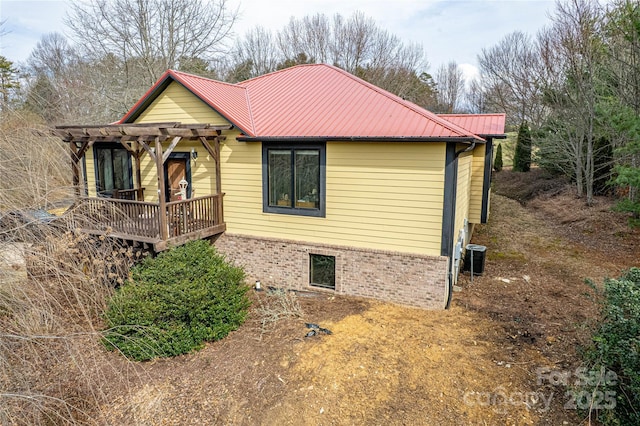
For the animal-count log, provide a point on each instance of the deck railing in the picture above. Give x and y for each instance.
(136, 194)
(194, 214)
(138, 220)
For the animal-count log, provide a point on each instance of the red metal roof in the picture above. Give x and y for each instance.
(479, 124)
(311, 101)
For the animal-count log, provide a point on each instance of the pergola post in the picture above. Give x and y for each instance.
(139, 214)
(75, 167)
(219, 180)
(136, 157)
(162, 198)
(214, 152)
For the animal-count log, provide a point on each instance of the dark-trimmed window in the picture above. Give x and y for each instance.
(322, 271)
(294, 179)
(113, 169)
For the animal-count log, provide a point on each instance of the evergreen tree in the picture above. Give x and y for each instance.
(8, 81)
(497, 163)
(625, 124)
(522, 156)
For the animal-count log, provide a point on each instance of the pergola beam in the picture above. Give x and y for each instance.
(147, 130)
(149, 138)
(170, 148)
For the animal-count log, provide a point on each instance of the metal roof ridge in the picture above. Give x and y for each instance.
(259, 77)
(250, 110)
(182, 73)
(179, 76)
(486, 114)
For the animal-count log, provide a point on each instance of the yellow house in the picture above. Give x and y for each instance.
(309, 177)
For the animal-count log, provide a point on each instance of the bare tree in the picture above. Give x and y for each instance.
(53, 65)
(355, 44)
(55, 285)
(153, 35)
(476, 97)
(254, 55)
(510, 70)
(63, 86)
(572, 50)
(311, 35)
(450, 83)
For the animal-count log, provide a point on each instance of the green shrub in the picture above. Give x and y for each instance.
(497, 163)
(175, 302)
(616, 349)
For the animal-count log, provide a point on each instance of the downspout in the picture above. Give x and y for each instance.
(467, 149)
(450, 275)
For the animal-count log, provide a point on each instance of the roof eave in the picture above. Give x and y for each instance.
(315, 139)
(494, 136)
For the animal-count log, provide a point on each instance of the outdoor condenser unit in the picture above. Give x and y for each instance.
(474, 259)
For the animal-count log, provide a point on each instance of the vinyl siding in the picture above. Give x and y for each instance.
(178, 104)
(91, 173)
(477, 181)
(385, 196)
(391, 194)
(463, 192)
(382, 196)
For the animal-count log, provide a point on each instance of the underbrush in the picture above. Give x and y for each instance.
(53, 292)
(523, 187)
(176, 302)
(614, 393)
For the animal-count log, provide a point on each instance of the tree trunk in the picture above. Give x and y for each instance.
(579, 168)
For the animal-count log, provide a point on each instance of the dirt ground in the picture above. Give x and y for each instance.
(475, 364)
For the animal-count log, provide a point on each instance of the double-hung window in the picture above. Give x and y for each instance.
(294, 179)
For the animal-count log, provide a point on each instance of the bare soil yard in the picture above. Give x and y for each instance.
(476, 363)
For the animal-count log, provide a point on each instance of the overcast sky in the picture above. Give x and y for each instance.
(448, 30)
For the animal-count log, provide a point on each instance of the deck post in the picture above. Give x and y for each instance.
(162, 200)
(136, 156)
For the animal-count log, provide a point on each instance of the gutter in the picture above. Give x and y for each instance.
(317, 139)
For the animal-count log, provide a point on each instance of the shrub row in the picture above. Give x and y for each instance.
(615, 349)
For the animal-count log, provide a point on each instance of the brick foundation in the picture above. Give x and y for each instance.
(404, 278)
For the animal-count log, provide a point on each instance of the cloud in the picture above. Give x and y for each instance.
(469, 72)
(26, 22)
(448, 30)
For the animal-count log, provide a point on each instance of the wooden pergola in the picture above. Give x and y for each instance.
(163, 223)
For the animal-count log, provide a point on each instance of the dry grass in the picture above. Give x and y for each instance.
(54, 286)
(52, 296)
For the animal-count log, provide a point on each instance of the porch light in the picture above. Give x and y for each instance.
(194, 154)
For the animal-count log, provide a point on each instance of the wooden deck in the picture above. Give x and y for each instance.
(186, 220)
